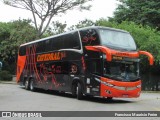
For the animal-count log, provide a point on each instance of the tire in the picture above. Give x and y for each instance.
(27, 84)
(74, 90)
(79, 92)
(32, 88)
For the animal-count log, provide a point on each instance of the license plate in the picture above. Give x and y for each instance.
(125, 96)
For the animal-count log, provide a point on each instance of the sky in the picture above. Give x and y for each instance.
(100, 9)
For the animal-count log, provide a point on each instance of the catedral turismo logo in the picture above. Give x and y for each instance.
(51, 56)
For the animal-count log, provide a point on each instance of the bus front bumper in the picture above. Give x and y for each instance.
(121, 89)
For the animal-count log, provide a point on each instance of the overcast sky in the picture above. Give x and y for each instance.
(100, 8)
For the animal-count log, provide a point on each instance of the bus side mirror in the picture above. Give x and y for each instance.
(150, 56)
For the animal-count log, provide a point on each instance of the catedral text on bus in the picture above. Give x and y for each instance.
(93, 61)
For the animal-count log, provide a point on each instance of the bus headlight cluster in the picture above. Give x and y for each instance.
(105, 83)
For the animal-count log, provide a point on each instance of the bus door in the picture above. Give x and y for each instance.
(94, 70)
(93, 61)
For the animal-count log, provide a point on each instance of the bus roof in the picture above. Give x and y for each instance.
(85, 28)
(101, 27)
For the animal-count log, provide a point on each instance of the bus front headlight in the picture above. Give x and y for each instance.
(107, 84)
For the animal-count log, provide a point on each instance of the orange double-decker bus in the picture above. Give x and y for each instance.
(94, 61)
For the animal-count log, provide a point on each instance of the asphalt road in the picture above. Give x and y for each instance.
(16, 98)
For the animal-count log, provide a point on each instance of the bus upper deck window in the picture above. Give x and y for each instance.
(22, 51)
(89, 37)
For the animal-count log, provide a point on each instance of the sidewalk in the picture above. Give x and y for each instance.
(13, 81)
(8, 82)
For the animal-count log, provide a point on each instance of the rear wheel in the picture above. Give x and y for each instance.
(32, 88)
(79, 92)
(27, 84)
(74, 90)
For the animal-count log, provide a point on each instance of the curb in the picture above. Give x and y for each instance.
(150, 91)
(8, 82)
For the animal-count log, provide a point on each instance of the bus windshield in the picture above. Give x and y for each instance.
(117, 40)
(122, 71)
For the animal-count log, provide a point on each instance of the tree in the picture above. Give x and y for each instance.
(81, 24)
(45, 10)
(145, 12)
(56, 28)
(12, 34)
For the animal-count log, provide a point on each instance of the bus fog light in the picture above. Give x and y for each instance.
(95, 89)
(108, 92)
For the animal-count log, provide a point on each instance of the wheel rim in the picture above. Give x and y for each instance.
(26, 84)
(77, 90)
(31, 85)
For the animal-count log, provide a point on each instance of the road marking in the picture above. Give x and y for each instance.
(157, 109)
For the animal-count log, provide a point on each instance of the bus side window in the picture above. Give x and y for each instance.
(93, 62)
(55, 43)
(72, 41)
(40, 47)
(76, 41)
(94, 66)
(48, 45)
(89, 37)
(59, 42)
(22, 51)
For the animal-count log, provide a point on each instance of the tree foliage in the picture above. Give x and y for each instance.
(145, 12)
(45, 10)
(12, 34)
(56, 28)
(81, 24)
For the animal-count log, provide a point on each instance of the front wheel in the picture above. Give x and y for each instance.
(32, 88)
(79, 92)
(74, 90)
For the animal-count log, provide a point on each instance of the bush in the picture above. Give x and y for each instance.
(5, 76)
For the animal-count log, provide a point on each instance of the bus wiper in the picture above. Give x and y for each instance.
(119, 48)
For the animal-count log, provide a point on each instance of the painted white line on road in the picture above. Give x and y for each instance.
(157, 109)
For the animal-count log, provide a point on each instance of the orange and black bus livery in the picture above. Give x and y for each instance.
(94, 61)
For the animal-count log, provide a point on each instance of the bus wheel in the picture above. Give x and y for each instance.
(27, 84)
(79, 92)
(32, 88)
(74, 90)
